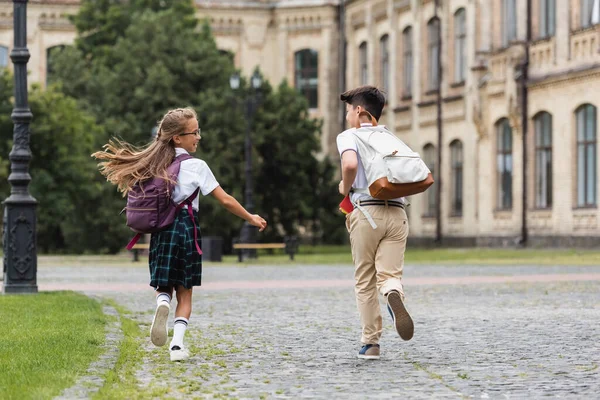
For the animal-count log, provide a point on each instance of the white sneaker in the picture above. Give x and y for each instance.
(179, 354)
(158, 331)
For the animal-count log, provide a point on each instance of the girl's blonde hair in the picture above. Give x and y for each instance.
(125, 165)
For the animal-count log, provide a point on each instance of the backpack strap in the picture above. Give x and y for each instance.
(188, 202)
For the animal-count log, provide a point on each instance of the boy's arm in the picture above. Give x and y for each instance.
(349, 171)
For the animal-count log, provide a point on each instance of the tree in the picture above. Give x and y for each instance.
(157, 58)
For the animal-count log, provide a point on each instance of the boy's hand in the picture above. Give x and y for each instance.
(341, 188)
(258, 221)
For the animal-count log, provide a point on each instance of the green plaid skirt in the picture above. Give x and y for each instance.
(174, 259)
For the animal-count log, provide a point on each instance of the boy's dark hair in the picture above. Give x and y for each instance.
(368, 97)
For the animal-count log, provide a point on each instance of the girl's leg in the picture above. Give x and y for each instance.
(159, 332)
(182, 316)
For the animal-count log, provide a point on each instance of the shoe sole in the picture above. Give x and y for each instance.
(158, 331)
(179, 357)
(368, 357)
(404, 323)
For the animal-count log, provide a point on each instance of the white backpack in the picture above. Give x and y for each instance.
(383, 155)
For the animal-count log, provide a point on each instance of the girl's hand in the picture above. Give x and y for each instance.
(258, 221)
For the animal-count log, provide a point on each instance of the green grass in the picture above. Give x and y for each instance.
(121, 382)
(46, 341)
(342, 255)
(446, 256)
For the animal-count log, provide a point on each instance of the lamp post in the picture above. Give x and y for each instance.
(248, 232)
(20, 248)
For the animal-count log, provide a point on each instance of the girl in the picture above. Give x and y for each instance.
(174, 261)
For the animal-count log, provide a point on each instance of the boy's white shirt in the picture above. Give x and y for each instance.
(346, 141)
(193, 173)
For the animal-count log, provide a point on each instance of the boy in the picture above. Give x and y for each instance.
(378, 254)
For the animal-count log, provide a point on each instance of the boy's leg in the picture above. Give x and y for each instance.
(364, 241)
(158, 330)
(389, 262)
(182, 316)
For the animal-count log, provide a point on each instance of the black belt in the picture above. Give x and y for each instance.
(390, 203)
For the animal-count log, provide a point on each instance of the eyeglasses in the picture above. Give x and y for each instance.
(197, 133)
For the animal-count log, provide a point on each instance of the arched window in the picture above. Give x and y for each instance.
(547, 15)
(229, 54)
(543, 160)
(429, 157)
(407, 62)
(509, 22)
(433, 44)
(586, 155)
(384, 46)
(456, 163)
(4, 57)
(504, 164)
(307, 75)
(460, 46)
(52, 52)
(363, 64)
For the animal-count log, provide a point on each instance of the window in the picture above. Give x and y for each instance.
(456, 161)
(50, 54)
(586, 155)
(547, 18)
(460, 46)
(307, 75)
(509, 22)
(429, 156)
(433, 45)
(3, 57)
(385, 62)
(363, 67)
(229, 54)
(504, 164)
(589, 14)
(408, 61)
(543, 160)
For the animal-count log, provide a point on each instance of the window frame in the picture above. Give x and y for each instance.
(543, 171)
(407, 59)
(307, 72)
(504, 166)
(460, 45)
(433, 43)
(363, 63)
(586, 145)
(457, 179)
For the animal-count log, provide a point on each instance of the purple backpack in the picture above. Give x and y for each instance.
(150, 207)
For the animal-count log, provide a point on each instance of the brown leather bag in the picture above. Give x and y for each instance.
(384, 190)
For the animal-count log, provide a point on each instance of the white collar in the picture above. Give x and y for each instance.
(179, 151)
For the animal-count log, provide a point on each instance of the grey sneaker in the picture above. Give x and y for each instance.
(158, 331)
(402, 320)
(369, 352)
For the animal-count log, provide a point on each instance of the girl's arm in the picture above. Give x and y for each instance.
(234, 207)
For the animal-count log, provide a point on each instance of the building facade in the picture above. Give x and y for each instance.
(394, 44)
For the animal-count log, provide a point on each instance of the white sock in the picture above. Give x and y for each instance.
(179, 327)
(163, 297)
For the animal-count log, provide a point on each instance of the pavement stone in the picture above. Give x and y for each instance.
(517, 340)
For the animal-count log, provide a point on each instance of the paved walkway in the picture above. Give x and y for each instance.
(292, 332)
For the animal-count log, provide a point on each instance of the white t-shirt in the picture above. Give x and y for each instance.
(193, 173)
(345, 142)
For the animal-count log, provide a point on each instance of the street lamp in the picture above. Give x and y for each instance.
(20, 252)
(248, 232)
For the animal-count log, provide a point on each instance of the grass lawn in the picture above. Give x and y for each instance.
(46, 341)
(341, 255)
(447, 256)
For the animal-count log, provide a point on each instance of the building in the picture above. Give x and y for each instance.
(394, 44)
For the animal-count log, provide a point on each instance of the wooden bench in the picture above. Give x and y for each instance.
(137, 248)
(290, 246)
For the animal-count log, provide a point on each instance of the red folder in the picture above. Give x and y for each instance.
(346, 205)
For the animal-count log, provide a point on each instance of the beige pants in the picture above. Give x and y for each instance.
(378, 256)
